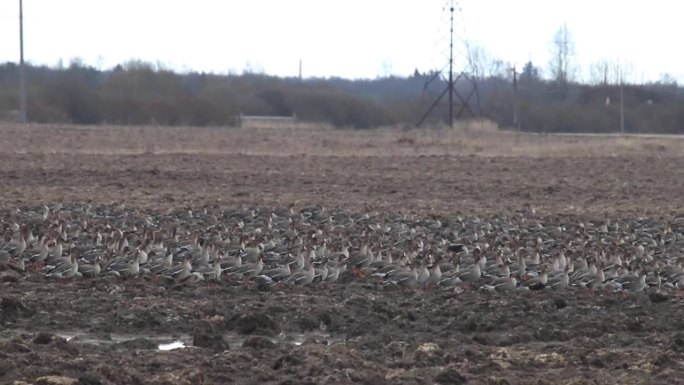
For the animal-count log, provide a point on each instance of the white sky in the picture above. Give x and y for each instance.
(352, 38)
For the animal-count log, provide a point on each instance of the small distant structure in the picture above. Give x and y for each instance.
(266, 121)
(10, 116)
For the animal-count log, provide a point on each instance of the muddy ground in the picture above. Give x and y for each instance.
(110, 331)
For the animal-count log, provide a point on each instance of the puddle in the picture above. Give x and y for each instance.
(164, 342)
(67, 337)
(171, 346)
(172, 342)
(299, 338)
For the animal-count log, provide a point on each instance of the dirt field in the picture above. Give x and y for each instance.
(108, 330)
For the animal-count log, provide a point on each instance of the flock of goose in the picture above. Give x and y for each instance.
(316, 246)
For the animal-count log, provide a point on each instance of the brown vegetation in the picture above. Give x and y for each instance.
(471, 168)
(468, 138)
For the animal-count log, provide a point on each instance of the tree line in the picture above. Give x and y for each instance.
(140, 93)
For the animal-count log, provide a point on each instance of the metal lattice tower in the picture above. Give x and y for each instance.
(461, 89)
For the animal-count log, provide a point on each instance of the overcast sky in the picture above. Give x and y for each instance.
(353, 38)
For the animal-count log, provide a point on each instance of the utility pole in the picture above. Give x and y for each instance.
(22, 81)
(622, 107)
(516, 124)
(450, 86)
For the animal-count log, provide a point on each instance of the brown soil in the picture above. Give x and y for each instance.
(109, 330)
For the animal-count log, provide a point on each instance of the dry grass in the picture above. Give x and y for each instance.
(481, 139)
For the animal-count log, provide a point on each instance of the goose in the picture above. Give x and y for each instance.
(160, 264)
(231, 262)
(249, 270)
(53, 260)
(334, 272)
(494, 267)
(560, 282)
(38, 249)
(390, 268)
(457, 248)
(502, 284)
(123, 268)
(297, 263)
(502, 276)
(406, 277)
(302, 278)
(435, 276)
(251, 254)
(361, 259)
(57, 249)
(472, 274)
(66, 269)
(202, 258)
(278, 273)
(653, 279)
(5, 257)
(35, 218)
(321, 273)
(423, 275)
(597, 281)
(379, 262)
(209, 273)
(451, 277)
(178, 272)
(584, 271)
(536, 283)
(90, 271)
(15, 247)
(633, 283)
(322, 249)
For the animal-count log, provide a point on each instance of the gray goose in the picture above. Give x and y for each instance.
(406, 277)
(66, 269)
(302, 278)
(90, 271)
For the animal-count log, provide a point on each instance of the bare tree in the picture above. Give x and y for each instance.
(482, 65)
(599, 72)
(611, 72)
(561, 66)
(622, 72)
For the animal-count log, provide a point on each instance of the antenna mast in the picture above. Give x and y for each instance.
(450, 86)
(22, 83)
